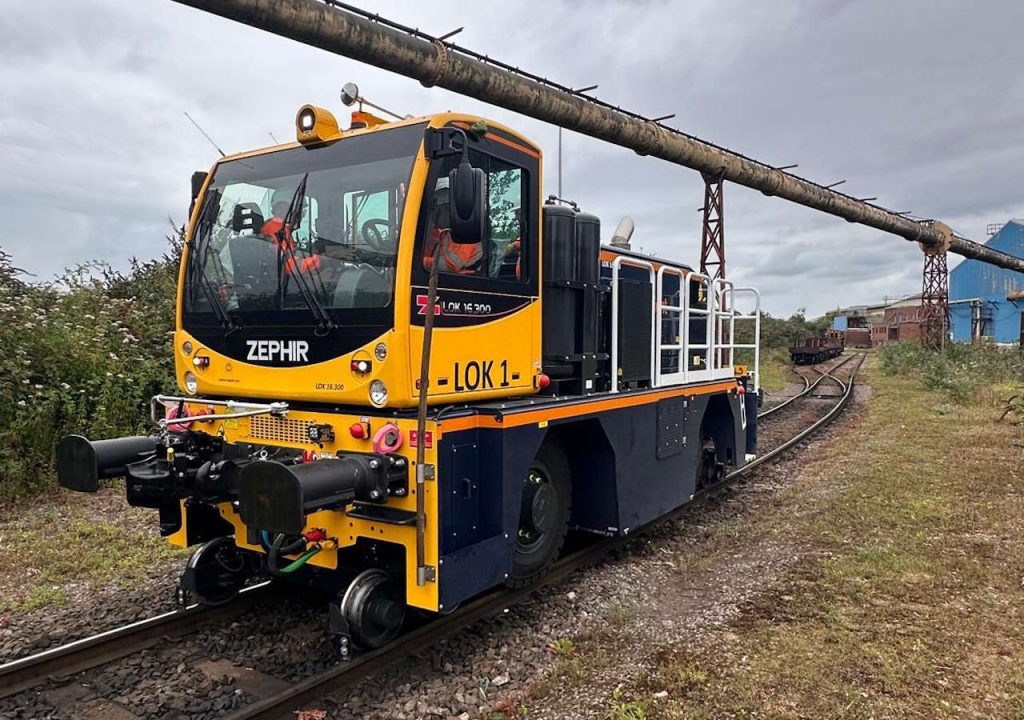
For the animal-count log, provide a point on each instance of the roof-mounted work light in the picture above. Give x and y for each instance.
(315, 125)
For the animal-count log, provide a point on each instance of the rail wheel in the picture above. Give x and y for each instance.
(216, 571)
(373, 608)
(709, 470)
(543, 515)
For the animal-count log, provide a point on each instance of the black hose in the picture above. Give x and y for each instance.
(278, 548)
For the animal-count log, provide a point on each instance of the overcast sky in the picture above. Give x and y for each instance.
(920, 102)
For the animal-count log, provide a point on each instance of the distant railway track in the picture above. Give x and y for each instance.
(88, 653)
(809, 386)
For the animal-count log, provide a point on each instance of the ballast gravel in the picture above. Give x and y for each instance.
(638, 598)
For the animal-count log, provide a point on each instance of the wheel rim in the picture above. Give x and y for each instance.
(215, 572)
(706, 462)
(374, 608)
(539, 510)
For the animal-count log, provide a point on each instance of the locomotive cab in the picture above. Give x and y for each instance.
(295, 284)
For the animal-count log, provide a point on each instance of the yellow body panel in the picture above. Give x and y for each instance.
(284, 432)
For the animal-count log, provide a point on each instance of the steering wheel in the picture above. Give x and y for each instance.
(375, 236)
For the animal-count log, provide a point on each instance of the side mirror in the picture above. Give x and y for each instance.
(468, 209)
(198, 179)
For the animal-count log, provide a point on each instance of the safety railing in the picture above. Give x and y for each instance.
(699, 319)
(670, 327)
(616, 268)
(727, 314)
(694, 325)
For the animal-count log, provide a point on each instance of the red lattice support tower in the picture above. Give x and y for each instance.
(935, 294)
(712, 238)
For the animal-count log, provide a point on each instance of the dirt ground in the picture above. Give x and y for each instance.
(887, 581)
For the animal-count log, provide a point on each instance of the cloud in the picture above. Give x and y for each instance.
(917, 102)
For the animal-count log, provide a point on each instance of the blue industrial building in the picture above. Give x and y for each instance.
(988, 301)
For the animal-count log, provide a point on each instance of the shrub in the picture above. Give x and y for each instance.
(961, 370)
(84, 355)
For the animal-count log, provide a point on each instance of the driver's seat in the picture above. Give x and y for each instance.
(247, 216)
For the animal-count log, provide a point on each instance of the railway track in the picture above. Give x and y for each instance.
(809, 386)
(116, 643)
(60, 663)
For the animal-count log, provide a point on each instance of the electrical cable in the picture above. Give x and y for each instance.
(302, 560)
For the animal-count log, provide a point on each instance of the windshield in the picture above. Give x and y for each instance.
(336, 247)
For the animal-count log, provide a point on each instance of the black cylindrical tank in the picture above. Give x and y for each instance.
(559, 243)
(588, 259)
(559, 303)
(588, 248)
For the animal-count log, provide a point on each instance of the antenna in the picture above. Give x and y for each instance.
(276, 141)
(210, 139)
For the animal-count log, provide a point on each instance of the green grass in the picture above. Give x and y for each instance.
(908, 598)
(918, 610)
(51, 548)
(775, 370)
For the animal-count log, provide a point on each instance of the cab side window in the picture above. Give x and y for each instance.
(500, 253)
(505, 193)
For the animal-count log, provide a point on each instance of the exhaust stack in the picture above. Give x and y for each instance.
(623, 232)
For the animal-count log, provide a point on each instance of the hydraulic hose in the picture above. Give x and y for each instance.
(278, 549)
(300, 561)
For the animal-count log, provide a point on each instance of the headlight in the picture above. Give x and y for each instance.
(192, 384)
(381, 351)
(187, 348)
(307, 119)
(378, 393)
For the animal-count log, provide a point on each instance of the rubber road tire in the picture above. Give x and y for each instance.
(529, 564)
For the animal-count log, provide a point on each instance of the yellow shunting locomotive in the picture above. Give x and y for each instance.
(406, 375)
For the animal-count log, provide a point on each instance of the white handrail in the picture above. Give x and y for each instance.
(728, 293)
(616, 264)
(680, 311)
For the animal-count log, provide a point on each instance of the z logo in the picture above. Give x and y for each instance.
(421, 303)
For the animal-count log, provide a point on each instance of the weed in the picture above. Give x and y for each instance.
(569, 670)
(622, 709)
(43, 596)
(622, 612)
(562, 647)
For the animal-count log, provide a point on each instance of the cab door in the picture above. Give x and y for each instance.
(486, 340)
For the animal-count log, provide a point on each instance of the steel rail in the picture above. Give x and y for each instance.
(808, 387)
(283, 706)
(826, 418)
(348, 31)
(116, 643)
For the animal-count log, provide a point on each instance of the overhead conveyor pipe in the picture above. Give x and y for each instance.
(435, 63)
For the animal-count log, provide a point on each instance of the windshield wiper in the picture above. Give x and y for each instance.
(286, 260)
(197, 247)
